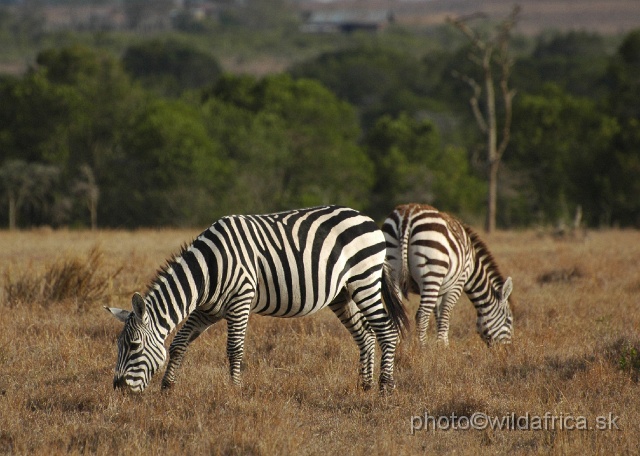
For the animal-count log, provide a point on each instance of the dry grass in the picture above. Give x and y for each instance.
(80, 279)
(576, 353)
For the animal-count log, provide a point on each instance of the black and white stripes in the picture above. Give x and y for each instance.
(287, 264)
(434, 255)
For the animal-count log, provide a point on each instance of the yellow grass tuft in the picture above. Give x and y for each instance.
(80, 279)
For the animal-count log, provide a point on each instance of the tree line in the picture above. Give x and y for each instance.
(161, 135)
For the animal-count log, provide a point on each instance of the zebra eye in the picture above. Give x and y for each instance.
(135, 344)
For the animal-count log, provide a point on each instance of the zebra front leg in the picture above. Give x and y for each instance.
(354, 321)
(196, 324)
(237, 321)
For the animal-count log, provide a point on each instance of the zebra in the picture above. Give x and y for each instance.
(436, 256)
(286, 264)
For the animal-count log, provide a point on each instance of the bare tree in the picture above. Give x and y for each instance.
(87, 188)
(24, 183)
(489, 53)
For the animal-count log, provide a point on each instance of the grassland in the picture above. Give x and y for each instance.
(575, 354)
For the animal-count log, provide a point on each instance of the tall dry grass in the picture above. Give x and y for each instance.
(576, 353)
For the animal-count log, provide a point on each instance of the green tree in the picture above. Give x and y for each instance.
(292, 141)
(34, 115)
(576, 61)
(375, 79)
(101, 103)
(624, 105)
(170, 66)
(101, 100)
(26, 184)
(169, 169)
(563, 146)
(412, 166)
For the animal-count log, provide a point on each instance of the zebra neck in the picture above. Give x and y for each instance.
(164, 315)
(191, 278)
(484, 298)
(172, 297)
(483, 286)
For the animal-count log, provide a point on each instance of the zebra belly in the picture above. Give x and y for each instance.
(289, 299)
(285, 307)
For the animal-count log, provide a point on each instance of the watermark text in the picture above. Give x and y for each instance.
(514, 422)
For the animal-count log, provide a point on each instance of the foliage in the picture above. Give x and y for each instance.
(170, 66)
(411, 165)
(165, 151)
(376, 79)
(363, 120)
(293, 142)
(576, 61)
(563, 144)
(624, 77)
(33, 118)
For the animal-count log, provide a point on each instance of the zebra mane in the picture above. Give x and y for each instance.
(163, 271)
(492, 266)
(481, 248)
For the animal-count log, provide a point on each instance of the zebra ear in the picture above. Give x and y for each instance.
(139, 308)
(507, 288)
(120, 314)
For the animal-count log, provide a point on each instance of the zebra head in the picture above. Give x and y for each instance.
(496, 326)
(140, 350)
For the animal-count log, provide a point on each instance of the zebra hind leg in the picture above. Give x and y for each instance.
(428, 301)
(370, 305)
(354, 321)
(443, 315)
(387, 336)
(423, 316)
(196, 324)
(237, 320)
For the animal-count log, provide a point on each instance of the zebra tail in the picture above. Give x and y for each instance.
(393, 301)
(405, 277)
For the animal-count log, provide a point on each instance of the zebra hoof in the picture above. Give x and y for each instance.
(387, 386)
(167, 385)
(366, 386)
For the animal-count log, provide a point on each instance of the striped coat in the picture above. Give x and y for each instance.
(288, 264)
(434, 255)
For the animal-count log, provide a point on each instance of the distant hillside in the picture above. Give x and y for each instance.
(602, 16)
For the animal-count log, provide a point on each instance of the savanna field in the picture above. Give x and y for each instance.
(575, 360)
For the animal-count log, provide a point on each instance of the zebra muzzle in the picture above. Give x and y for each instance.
(119, 382)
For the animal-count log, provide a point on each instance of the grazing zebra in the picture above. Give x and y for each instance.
(434, 255)
(288, 264)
